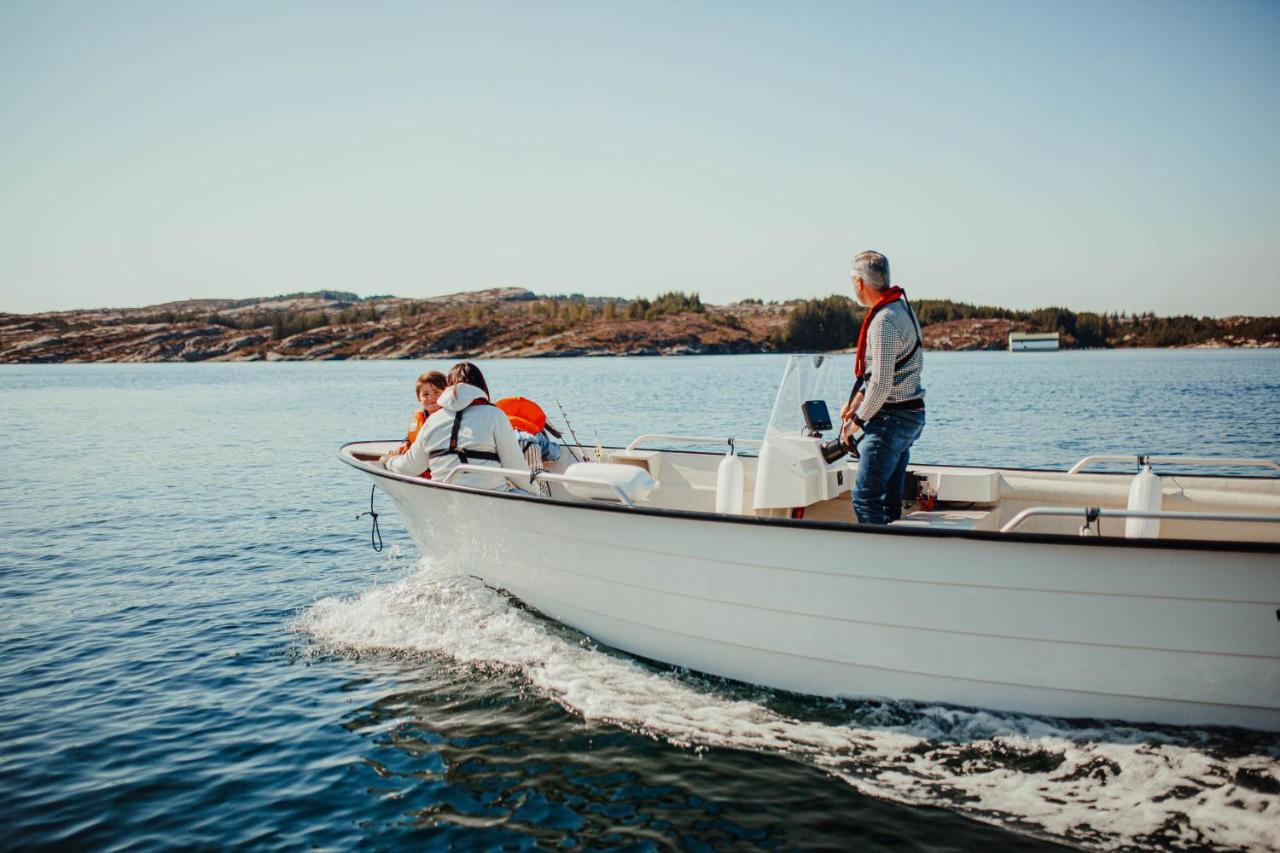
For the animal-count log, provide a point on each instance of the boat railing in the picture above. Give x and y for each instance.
(1143, 459)
(1090, 514)
(516, 474)
(694, 439)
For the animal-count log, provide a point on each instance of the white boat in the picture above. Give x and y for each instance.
(1072, 593)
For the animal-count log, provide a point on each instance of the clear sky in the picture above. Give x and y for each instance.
(1105, 156)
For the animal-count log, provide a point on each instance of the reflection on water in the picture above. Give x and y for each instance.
(477, 769)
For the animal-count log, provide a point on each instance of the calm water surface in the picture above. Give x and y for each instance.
(198, 647)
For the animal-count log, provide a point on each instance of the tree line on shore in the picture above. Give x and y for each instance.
(830, 323)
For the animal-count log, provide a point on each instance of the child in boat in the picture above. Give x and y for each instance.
(427, 389)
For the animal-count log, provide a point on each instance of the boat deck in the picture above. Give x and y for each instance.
(1196, 507)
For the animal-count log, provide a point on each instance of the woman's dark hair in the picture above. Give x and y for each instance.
(465, 371)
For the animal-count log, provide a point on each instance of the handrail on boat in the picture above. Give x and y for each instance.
(1091, 513)
(693, 439)
(534, 476)
(1141, 459)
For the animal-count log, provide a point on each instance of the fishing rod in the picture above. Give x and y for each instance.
(581, 454)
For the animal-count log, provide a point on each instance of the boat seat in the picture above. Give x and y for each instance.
(648, 460)
(947, 519)
(634, 482)
(961, 485)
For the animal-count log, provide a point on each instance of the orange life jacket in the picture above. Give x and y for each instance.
(415, 426)
(524, 414)
(860, 373)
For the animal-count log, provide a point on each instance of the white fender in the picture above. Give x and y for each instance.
(1145, 495)
(729, 479)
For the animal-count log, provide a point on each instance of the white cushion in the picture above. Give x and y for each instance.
(635, 482)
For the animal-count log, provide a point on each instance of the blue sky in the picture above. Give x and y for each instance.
(1104, 156)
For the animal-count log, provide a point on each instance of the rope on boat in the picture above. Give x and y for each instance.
(375, 535)
(533, 456)
(1091, 515)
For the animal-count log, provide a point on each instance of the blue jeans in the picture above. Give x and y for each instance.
(885, 450)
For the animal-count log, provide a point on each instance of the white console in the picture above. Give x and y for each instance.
(791, 473)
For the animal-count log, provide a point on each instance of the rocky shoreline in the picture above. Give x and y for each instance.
(498, 323)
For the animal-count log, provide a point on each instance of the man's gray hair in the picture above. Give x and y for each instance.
(872, 268)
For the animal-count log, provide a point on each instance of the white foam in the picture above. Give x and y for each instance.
(1112, 787)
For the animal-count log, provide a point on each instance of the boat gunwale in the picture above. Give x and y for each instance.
(1236, 546)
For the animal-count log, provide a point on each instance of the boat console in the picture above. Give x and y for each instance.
(793, 472)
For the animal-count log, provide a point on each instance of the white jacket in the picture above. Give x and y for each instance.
(483, 428)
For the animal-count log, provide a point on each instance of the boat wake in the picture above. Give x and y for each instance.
(1094, 784)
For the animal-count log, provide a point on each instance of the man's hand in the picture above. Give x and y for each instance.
(848, 429)
(850, 407)
(382, 460)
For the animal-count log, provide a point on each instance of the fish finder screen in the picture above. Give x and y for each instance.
(816, 416)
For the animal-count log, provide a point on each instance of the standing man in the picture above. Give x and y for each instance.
(887, 404)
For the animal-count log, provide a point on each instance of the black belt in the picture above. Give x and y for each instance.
(916, 405)
(465, 456)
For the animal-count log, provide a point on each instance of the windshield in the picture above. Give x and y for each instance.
(807, 377)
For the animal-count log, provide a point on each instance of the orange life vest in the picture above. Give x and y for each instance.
(524, 414)
(415, 426)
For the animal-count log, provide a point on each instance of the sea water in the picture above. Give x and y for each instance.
(198, 647)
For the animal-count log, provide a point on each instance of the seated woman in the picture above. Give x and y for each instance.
(468, 429)
(427, 389)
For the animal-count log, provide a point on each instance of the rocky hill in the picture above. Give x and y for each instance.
(493, 323)
(512, 322)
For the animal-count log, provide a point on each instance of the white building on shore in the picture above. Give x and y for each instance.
(1033, 341)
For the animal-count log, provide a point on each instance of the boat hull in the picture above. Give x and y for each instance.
(1170, 635)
